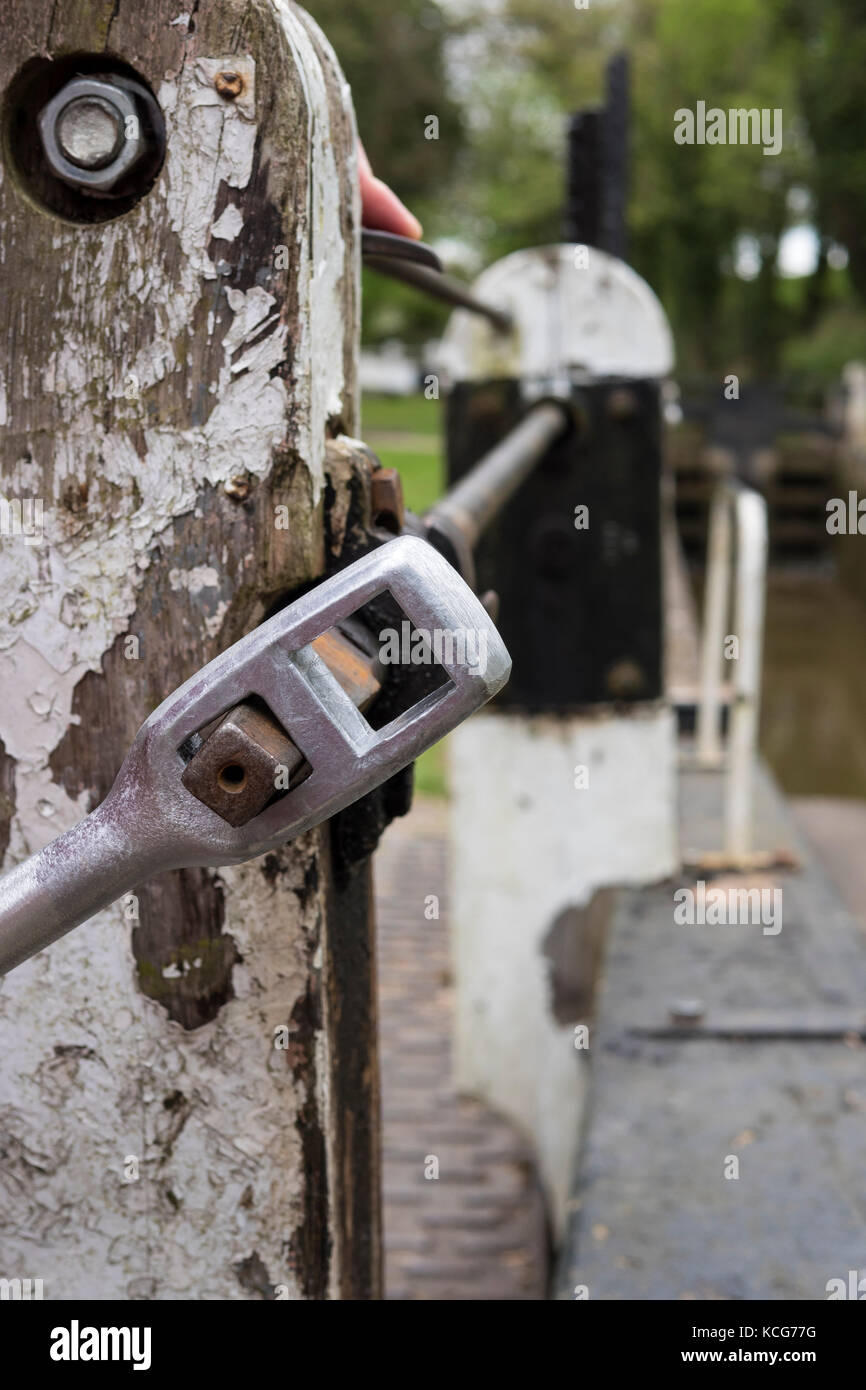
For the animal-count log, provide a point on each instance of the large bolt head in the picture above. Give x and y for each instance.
(90, 132)
(94, 131)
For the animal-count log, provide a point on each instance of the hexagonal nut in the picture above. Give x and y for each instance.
(235, 770)
(95, 131)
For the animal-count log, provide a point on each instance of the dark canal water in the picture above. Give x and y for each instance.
(813, 728)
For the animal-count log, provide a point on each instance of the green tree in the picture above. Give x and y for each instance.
(830, 39)
(689, 204)
(502, 82)
(395, 60)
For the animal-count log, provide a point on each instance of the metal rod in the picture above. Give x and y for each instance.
(439, 286)
(388, 246)
(475, 500)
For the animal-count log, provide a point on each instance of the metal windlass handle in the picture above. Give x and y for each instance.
(152, 822)
(438, 285)
(75, 876)
(391, 247)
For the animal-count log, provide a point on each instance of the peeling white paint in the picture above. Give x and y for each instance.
(575, 309)
(71, 614)
(194, 580)
(70, 1124)
(214, 621)
(68, 1120)
(229, 224)
(526, 844)
(322, 328)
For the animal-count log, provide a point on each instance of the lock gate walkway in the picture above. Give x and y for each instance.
(723, 1157)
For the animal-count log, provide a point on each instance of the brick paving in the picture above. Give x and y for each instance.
(477, 1231)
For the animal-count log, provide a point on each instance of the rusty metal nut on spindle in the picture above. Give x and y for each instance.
(386, 500)
(96, 130)
(242, 764)
(249, 757)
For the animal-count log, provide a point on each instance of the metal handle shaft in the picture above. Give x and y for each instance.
(75, 876)
(440, 286)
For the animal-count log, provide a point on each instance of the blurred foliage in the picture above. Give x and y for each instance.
(394, 59)
(839, 338)
(688, 204)
(397, 311)
(502, 80)
(829, 49)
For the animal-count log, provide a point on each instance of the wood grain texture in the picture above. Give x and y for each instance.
(168, 384)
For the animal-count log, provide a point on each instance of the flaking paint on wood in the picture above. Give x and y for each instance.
(146, 365)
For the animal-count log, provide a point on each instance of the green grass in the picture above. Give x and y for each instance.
(423, 474)
(411, 414)
(422, 470)
(387, 421)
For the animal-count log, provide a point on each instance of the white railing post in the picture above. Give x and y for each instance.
(732, 500)
(751, 580)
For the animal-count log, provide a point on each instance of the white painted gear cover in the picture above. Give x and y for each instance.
(575, 309)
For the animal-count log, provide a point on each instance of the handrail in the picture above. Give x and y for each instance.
(734, 501)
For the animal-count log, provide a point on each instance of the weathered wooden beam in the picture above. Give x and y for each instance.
(181, 1111)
